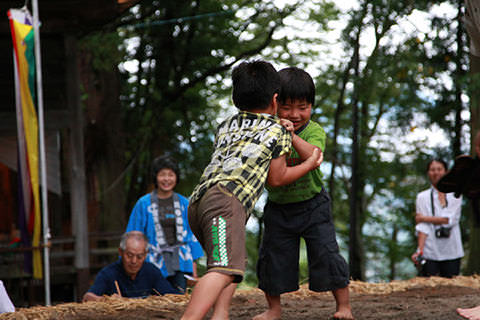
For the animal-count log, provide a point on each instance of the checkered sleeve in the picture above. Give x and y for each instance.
(215, 141)
(284, 144)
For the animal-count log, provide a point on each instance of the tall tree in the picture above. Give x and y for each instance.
(174, 78)
(445, 63)
(375, 81)
(164, 98)
(355, 248)
(182, 51)
(448, 60)
(104, 134)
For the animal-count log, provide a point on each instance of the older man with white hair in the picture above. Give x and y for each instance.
(130, 276)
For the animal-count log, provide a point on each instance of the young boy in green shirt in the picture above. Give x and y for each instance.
(300, 210)
(249, 146)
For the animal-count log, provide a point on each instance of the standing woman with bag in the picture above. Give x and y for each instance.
(438, 230)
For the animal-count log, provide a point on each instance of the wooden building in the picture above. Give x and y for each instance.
(63, 23)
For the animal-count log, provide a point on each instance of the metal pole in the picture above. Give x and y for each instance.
(43, 167)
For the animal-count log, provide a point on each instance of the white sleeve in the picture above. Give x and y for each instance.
(422, 208)
(423, 227)
(6, 304)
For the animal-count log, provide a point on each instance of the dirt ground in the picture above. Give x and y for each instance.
(433, 298)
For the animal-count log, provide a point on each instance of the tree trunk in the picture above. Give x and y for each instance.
(355, 252)
(472, 20)
(354, 258)
(475, 96)
(393, 253)
(336, 128)
(104, 141)
(473, 265)
(459, 74)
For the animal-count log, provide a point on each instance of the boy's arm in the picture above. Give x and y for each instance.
(303, 148)
(279, 174)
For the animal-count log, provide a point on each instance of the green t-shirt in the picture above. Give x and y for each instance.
(310, 184)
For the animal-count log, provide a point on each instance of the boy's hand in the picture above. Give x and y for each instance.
(287, 124)
(315, 159)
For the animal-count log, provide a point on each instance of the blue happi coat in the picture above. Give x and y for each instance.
(142, 219)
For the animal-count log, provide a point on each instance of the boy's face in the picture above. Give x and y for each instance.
(297, 111)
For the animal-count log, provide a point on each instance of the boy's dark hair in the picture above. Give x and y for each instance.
(297, 84)
(254, 85)
(163, 162)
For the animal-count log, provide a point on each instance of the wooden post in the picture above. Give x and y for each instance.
(475, 98)
(77, 169)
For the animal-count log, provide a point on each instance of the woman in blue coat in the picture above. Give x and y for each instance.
(162, 216)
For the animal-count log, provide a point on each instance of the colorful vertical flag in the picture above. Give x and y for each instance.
(27, 128)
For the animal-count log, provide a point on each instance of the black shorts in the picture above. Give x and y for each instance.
(278, 262)
(445, 268)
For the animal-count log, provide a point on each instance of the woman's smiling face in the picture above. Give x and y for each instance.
(166, 180)
(436, 170)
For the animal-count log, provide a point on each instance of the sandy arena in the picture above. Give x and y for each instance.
(433, 298)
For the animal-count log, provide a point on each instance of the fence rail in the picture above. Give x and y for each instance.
(103, 250)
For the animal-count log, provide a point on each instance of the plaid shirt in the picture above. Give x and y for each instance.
(244, 145)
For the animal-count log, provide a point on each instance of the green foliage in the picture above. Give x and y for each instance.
(387, 82)
(183, 52)
(252, 258)
(105, 56)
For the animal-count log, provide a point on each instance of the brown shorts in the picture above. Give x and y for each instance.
(218, 221)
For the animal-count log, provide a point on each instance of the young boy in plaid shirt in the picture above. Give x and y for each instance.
(250, 149)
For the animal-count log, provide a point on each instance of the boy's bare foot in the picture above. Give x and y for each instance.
(268, 315)
(471, 313)
(343, 313)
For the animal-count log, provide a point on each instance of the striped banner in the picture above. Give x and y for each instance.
(27, 128)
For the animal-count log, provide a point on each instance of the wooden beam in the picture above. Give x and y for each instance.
(78, 185)
(78, 16)
(54, 120)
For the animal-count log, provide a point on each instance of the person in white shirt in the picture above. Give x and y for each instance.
(438, 231)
